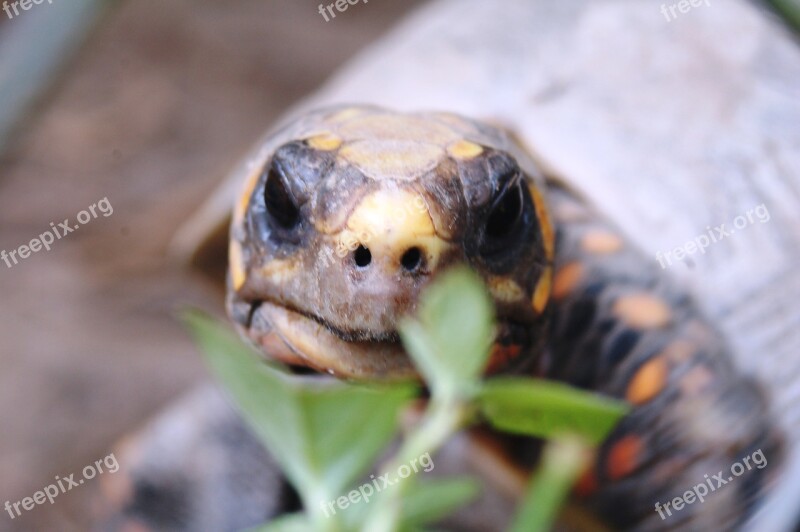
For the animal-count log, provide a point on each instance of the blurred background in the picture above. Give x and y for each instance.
(147, 104)
(155, 107)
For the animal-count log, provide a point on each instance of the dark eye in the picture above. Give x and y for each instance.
(504, 228)
(279, 201)
(505, 213)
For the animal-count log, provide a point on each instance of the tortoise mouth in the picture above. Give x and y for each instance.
(350, 335)
(298, 338)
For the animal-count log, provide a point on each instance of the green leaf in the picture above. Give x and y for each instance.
(451, 338)
(545, 409)
(324, 433)
(427, 502)
(562, 462)
(434, 500)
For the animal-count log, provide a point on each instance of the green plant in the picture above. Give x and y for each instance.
(327, 434)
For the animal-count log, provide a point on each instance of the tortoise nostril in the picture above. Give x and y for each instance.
(362, 257)
(412, 259)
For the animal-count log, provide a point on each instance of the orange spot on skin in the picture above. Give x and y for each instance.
(567, 278)
(502, 355)
(601, 242)
(542, 293)
(648, 381)
(642, 311)
(623, 457)
(548, 234)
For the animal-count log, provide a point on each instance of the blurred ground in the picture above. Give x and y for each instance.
(162, 101)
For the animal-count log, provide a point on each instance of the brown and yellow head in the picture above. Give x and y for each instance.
(349, 213)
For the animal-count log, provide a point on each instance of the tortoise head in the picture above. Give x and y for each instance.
(348, 214)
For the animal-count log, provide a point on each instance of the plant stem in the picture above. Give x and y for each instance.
(444, 416)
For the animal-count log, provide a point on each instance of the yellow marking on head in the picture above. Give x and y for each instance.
(648, 381)
(543, 288)
(464, 149)
(567, 278)
(542, 213)
(601, 242)
(279, 270)
(642, 311)
(392, 159)
(505, 289)
(236, 262)
(390, 221)
(240, 209)
(347, 241)
(324, 142)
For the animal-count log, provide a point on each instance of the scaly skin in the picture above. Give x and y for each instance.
(620, 327)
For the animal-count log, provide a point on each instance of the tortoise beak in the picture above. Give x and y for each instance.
(297, 340)
(321, 349)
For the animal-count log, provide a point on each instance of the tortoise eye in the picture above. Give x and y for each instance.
(279, 200)
(504, 228)
(505, 213)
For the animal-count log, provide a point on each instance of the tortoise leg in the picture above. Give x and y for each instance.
(699, 444)
(197, 466)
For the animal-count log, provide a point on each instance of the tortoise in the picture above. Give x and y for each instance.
(347, 214)
(364, 201)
